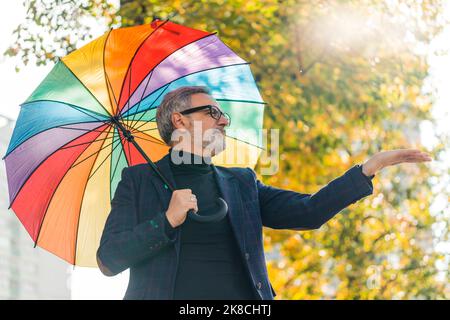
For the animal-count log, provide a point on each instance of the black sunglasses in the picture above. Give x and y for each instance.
(214, 112)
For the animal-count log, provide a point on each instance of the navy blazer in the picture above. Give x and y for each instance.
(134, 235)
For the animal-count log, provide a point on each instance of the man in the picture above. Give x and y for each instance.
(171, 256)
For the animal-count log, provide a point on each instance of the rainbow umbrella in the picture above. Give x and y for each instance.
(71, 140)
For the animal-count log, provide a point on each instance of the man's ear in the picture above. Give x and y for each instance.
(178, 120)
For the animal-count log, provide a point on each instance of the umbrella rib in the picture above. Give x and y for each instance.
(146, 121)
(253, 145)
(114, 147)
(132, 60)
(107, 113)
(143, 111)
(143, 124)
(109, 87)
(156, 142)
(49, 202)
(208, 35)
(142, 96)
(129, 152)
(79, 213)
(155, 139)
(57, 127)
(118, 159)
(108, 82)
(99, 120)
(79, 129)
(245, 101)
(151, 129)
(150, 108)
(129, 88)
(104, 72)
(80, 144)
(78, 108)
(103, 147)
(123, 147)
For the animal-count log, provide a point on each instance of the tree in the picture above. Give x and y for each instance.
(343, 80)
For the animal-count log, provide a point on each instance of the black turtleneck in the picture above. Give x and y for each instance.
(210, 264)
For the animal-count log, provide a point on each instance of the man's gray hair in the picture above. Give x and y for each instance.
(175, 101)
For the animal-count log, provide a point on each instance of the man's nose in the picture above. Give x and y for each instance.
(224, 121)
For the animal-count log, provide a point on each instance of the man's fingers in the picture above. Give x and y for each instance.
(419, 157)
(409, 158)
(194, 207)
(408, 155)
(192, 204)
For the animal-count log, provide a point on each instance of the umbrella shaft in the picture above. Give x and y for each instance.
(127, 134)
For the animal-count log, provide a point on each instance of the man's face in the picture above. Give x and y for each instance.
(205, 131)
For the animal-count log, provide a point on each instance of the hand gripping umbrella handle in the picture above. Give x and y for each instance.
(219, 215)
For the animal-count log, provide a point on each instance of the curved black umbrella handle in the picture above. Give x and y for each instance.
(221, 213)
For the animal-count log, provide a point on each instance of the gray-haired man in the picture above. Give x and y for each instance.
(173, 257)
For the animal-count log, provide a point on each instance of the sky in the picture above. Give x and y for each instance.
(88, 283)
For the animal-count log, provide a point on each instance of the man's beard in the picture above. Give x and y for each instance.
(213, 142)
(209, 143)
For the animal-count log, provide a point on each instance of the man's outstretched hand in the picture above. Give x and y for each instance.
(388, 158)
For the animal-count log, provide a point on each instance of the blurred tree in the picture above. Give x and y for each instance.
(343, 80)
(54, 28)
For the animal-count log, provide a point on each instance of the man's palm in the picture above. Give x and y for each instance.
(388, 158)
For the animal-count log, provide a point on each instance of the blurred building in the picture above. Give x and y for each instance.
(25, 272)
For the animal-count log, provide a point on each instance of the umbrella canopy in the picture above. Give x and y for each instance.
(66, 153)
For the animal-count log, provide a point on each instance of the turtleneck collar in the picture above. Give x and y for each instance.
(189, 160)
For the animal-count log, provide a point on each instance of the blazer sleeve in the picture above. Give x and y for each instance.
(286, 209)
(124, 241)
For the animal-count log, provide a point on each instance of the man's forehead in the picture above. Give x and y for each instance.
(202, 99)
